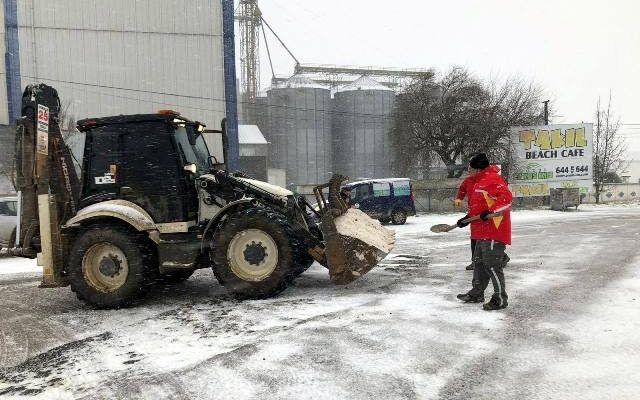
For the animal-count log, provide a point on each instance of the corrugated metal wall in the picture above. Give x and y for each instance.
(4, 111)
(126, 56)
(362, 125)
(300, 133)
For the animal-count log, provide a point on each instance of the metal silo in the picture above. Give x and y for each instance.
(362, 124)
(300, 131)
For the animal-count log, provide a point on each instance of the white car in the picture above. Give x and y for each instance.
(8, 221)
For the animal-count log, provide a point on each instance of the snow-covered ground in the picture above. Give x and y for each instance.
(11, 266)
(397, 333)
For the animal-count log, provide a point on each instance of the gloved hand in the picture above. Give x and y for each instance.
(457, 203)
(462, 223)
(484, 215)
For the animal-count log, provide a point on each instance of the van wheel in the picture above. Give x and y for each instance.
(12, 239)
(399, 216)
(107, 266)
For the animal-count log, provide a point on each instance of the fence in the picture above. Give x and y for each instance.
(435, 199)
(617, 192)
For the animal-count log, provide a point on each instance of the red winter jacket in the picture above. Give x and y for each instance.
(466, 187)
(490, 192)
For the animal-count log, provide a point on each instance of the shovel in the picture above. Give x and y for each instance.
(354, 242)
(440, 228)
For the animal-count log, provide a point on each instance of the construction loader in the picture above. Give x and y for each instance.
(151, 205)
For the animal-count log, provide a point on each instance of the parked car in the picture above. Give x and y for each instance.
(388, 200)
(8, 221)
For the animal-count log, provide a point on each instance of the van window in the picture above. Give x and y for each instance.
(8, 208)
(401, 188)
(381, 189)
(361, 192)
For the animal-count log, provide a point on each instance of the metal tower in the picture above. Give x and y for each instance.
(249, 19)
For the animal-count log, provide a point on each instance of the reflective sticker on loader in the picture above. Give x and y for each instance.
(106, 179)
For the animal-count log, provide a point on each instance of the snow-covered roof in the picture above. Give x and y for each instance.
(300, 81)
(380, 180)
(363, 83)
(250, 134)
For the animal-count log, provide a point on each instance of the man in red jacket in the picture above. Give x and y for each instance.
(490, 195)
(465, 189)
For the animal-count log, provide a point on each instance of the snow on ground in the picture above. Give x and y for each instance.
(11, 266)
(398, 333)
(604, 347)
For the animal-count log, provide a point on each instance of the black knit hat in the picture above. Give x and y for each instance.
(479, 161)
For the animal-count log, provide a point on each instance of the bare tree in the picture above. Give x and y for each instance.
(459, 115)
(608, 149)
(66, 120)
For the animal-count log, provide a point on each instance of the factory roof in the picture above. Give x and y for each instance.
(300, 81)
(363, 83)
(250, 134)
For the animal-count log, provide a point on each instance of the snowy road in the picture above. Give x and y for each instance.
(571, 331)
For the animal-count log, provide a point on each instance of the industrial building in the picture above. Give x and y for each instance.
(121, 56)
(118, 57)
(299, 130)
(315, 131)
(362, 123)
(126, 57)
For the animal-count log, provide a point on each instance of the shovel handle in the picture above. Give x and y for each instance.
(477, 217)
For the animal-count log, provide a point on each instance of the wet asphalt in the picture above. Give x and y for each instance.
(398, 333)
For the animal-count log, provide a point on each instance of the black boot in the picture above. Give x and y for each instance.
(494, 304)
(465, 297)
(470, 267)
(505, 260)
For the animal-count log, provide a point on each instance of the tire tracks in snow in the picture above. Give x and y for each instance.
(517, 367)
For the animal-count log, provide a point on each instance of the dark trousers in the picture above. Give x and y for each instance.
(505, 259)
(488, 256)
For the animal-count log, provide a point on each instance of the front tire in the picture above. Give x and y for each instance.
(254, 254)
(107, 266)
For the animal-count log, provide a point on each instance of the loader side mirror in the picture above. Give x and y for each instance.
(191, 168)
(215, 142)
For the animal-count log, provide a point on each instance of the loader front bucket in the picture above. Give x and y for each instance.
(354, 242)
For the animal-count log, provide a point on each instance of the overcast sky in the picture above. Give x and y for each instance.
(577, 50)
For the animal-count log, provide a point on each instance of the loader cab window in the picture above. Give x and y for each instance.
(196, 153)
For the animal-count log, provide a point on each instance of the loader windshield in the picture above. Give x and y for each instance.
(197, 153)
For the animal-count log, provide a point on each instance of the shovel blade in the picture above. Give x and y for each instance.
(354, 244)
(440, 228)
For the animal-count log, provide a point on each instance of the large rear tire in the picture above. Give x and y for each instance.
(108, 266)
(254, 254)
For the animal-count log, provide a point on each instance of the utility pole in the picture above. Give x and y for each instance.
(546, 112)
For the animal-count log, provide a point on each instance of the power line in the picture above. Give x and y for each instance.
(272, 106)
(222, 100)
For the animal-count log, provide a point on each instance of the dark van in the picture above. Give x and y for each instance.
(383, 199)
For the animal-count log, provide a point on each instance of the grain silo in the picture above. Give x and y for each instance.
(362, 124)
(300, 132)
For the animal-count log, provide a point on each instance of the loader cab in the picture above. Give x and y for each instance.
(149, 159)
